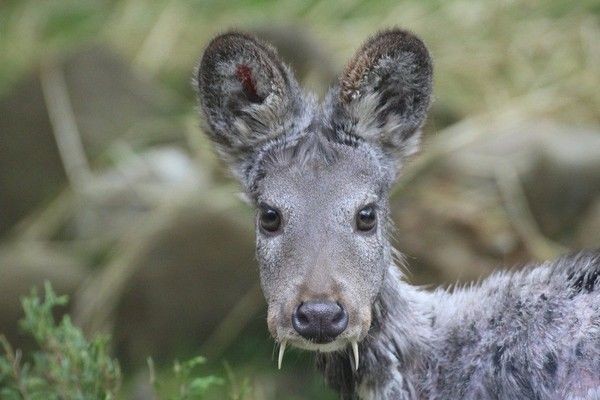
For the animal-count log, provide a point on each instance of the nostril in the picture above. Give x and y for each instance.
(301, 316)
(338, 323)
(301, 321)
(339, 315)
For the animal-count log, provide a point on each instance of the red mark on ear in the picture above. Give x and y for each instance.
(244, 74)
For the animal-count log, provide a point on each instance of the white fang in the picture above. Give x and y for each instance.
(355, 351)
(281, 351)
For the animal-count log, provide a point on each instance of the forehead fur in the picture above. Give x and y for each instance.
(314, 152)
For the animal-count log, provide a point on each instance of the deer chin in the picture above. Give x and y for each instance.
(353, 334)
(333, 346)
(328, 347)
(340, 343)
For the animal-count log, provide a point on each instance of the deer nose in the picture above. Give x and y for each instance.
(320, 321)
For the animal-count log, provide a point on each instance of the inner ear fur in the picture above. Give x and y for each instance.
(237, 75)
(385, 91)
(247, 95)
(370, 60)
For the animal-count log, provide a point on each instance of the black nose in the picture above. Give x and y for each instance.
(320, 321)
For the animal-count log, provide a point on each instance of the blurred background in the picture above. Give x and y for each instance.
(109, 189)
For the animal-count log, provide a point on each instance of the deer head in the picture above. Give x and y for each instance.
(318, 174)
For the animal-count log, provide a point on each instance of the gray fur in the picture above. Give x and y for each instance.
(530, 334)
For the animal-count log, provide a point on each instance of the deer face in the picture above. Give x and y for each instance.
(318, 174)
(321, 247)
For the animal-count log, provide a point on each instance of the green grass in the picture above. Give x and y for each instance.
(65, 365)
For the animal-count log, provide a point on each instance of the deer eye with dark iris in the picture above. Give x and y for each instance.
(269, 218)
(366, 219)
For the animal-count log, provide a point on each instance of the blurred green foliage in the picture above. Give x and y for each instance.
(487, 53)
(66, 366)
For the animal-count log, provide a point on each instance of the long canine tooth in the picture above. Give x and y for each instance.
(281, 351)
(355, 351)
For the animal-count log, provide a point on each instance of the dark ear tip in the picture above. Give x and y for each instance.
(229, 46)
(396, 34)
(224, 44)
(400, 40)
(230, 38)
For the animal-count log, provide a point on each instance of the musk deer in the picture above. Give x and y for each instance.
(319, 175)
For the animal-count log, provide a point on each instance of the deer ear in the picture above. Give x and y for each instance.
(384, 94)
(248, 98)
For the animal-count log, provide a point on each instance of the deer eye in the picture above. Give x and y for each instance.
(366, 219)
(269, 218)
